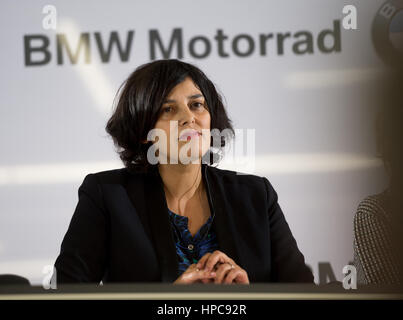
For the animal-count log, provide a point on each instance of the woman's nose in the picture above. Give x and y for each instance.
(186, 117)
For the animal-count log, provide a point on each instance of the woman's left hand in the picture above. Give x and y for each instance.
(227, 271)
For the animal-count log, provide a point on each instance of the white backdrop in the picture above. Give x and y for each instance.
(312, 113)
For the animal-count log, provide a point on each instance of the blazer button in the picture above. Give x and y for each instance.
(190, 246)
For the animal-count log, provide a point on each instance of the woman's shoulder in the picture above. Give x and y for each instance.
(371, 217)
(373, 206)
(112, 176)
(234, 175)
(254, 182)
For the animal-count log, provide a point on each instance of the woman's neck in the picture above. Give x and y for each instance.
(180, 181)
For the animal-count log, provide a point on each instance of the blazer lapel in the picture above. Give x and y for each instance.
(222, 222)
(135, 191)
(157, 211)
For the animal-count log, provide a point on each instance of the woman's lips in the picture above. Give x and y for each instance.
(189, 135)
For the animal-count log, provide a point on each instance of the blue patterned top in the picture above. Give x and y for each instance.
(190, 249)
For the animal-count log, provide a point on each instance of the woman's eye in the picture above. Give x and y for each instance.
(166, 110)
(197, 104)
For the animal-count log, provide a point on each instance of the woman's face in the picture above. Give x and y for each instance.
(184, 113)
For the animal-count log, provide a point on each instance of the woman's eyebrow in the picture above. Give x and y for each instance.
(194, 96)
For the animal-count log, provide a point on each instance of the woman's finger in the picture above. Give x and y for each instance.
(203, 260)
(236, 275)
(231, 275)
(198, 274)
(193, 274)
(217, 256)
(221, 272)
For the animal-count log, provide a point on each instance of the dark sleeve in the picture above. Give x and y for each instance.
(83, 250)
(288, 263)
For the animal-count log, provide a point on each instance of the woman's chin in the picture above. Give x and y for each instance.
(186, 159)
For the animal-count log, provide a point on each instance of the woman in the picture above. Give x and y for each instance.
(169, 215)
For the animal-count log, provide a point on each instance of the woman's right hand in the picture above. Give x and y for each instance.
(193, 275)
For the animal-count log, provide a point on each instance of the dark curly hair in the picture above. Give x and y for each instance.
(139, 100)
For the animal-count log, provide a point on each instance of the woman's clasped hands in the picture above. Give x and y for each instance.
(215, 267)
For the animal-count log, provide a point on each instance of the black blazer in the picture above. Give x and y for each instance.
(120, 230)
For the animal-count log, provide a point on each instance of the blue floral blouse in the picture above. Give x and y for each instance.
(190, 249)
